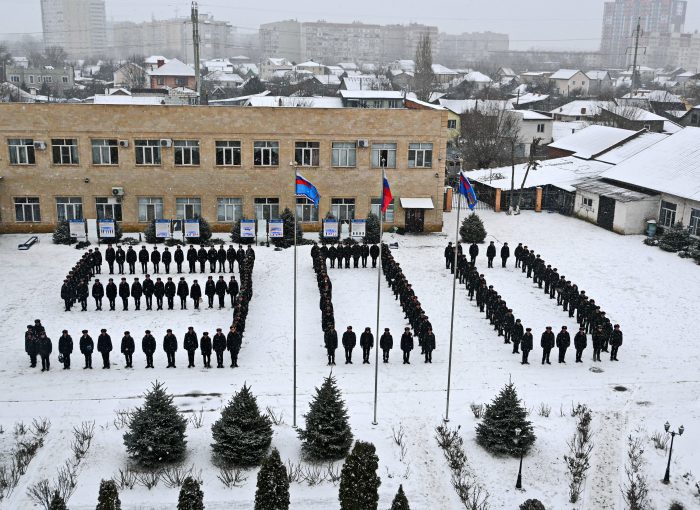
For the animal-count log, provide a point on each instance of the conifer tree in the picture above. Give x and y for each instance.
(242, 435)
(61, 235)
(676, 238)
(57, 502)
(156, 432)
(150, 233)
(327, 435)
(472, 229)
(532, 504)
(359, 483)
(400, 501)
(372, 229)
(191, 495)
(496, 431)
(287, 240)
(273, 485)
(236, 234)
(108, 498)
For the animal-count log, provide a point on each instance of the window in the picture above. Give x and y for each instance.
(229, 209)
(14, 78)
(587, 203)
(186, 152)
(267, 208)
(27, 209)
(48, 79)
(181, 82)
(306, 153)
(540, 128)
(452, 124)
(344, 154)
(694, 224)
(188, 208)
(384, 155)
(105, 152)
(343, 208)
(21, 151)
(147, 152)
(69, 208)
(228, 153)
(108, 209)
(376, 207)
(65, 79)
(160, 80)
(695, 119)
(150, 208)
(420, 155)
(306, 210)
(667, 215)
(65, 151)
(31, 78)
(266, 153)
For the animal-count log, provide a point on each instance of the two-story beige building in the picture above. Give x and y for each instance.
(136, 163)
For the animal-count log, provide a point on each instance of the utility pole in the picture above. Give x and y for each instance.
(636, 80)
(195, 44)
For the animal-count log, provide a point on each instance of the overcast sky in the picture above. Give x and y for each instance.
(565, 24)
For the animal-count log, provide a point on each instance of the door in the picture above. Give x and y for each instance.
(606, 212)
(414, 220)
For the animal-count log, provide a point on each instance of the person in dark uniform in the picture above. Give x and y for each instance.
(598, 341)
(547, 344)
(148, 346)
(429, 345)
(332, 252)
(407, 345)
(221, 258)
(580, 343)
(209, 291)
(124, 293)
(127, 348)
(349, 342)
(183, 290)
(110, 257)
(143, 259)
(221, 290)
(212, 257)
(219, 344)
(148, 288)
(526, 345)
(170, 347)
(136, 293)
(231, 257)
(195, 294)
(505, 254)
(473, 253)
(233, 345)
(347, 253)
(45, 348)
(366, 343)
(615, 342)
(155, 260)
(386, 343)
(517, 335)
(82, 292)
(192, 258)
(205, 349)
(104, 347)
(449, 255)
(120, 258)
(202, 258)
(111, 292)
(330, 341)
(86, 348)
(356, 251)
(374, 253)
(563, 343)
(364, 252)
(65, 348)
(232, 289)
(491, 253)
(190, 344)
(518, 254)
(67, 294)
(170, 292)
(166, 258)
(179, 258)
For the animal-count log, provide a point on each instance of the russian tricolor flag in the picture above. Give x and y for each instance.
(387, 197)
(304, 188)
(466, 189)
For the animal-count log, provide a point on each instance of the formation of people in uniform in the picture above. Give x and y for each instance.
(590, 318)
(338, 253)
(76, 286)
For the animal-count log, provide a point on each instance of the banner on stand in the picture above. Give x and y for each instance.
(359, 228)
(106, 228)
(162, 228)
(192, 228)
(276, 228)
(248, 228)
(77, 228)
(330, 228)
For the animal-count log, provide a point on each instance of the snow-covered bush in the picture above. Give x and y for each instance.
(191, 496)
(400, 501)
(273, 485)
(359, 483)
(61, 235)
(532, 504)
(676, 238)
(372, 229)
(108, 498)
(496, 432)
(287, 240)
(472, 229)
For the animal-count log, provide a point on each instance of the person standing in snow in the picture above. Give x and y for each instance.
(386, 343)
(148, 346)
(563, 342)
(65, 348)
(615, 342)
(170, 347)
(104, 347)
(580, 343)
(491, 253)
(407, 345)
(505, 253)
(366, 342)
(45, 348)
(547, 344)
(349, 342)
(330, 341)
(31, 346)
(86, 348)
(526, 345)
(127, 349)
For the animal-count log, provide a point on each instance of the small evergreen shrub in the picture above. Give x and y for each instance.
(273, 484)
(532, 504)
(108, 498)
(61, 235)
(472, 229)
(372, 229)
(236, 234)
(287, 240)
(191, 495)
(496, 431)
(676, 238)
(359, 483)
(400, 501)
(204, 232)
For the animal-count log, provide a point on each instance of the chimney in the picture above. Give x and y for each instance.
(161, 62)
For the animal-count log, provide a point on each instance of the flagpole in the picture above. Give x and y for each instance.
(452, 315)
(379, 286)
(294, 406)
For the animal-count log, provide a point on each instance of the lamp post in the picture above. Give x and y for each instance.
(516, 440)
(681, 429)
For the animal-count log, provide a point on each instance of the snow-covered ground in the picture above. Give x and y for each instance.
(652, 294)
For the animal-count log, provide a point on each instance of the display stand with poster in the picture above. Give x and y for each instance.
(359, 228)
(162, 228)
(276, 229)
(77, 229)
(192, 228)
(106, 229)
(330, 228)
(248, 229)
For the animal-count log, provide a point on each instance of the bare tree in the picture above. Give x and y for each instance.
(424, 77)
(488, 136)
(55, 56)
(133, 76)
(532, 164)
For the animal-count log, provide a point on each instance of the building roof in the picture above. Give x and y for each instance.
(592, 140)
(671, 127)
(581, 108)
(153, 59)
(476, 77)
(562, 129)
(626, 150)
(173, 68)
(237, 100)
(348, 65)
(671, 166)
(597, 75)
(606, 189)
(295, 102)
(309, 63)
(506, 71)
(459, 106)
(564, 74)
(278, 61)
(633, 113)
(223, 77)
(657, 96)
(530, 115)
(327, 79)
(366, 82)
(371, 94)
(530, 98)
(441, 69)
(119, 99)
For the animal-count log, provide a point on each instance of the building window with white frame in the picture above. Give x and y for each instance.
(147, 152)
(69, 208)
(228, 153)
(306, 210)
(344, 154)
(267, 208)
(376, 208)
(667, 214)
(307, 153)
(587, 203)
(452, 124)
(384, 155)
(27, 210)
(266, 153)
(229, 209)
(108, 208)
(105, 152)
(540, 128)
(420, 155)
(188, 208)
(186, 152)
(694, 223)
(65, 151)
(343, 208)
(150, 208)
(21, 151)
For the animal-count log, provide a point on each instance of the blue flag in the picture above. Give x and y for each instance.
(304, 188)
(466, 189)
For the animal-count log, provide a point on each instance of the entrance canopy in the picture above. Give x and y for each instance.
(417, 203)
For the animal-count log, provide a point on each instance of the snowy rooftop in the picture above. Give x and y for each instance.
(327, 79)
(593, 140)
(441, 69)
(371, 94)
(606, 189)
(173, 68)
(530, 98)
(366, 82)
(658, 96)
(476, 77)
(561, 129)
(295, 102)
(670, 166)
(136, 100)
(631, 147)
(459, 106)
(582, 108)
(633, 113)
(597, 75)
(309, 63)
(564, 74)
(530, 115)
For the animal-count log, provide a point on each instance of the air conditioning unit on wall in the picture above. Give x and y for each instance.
(363, 144)
(123, 143)
(118, 192)
(39, 145)
(166, 142)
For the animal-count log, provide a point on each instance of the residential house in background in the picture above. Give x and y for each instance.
(131, 75)
(568, 82)
(599, 82)
(173, 74)
(58, 80)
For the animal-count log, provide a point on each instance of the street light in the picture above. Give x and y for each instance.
(516, 440)
(673, 433)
